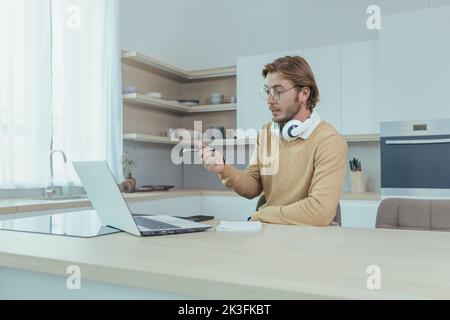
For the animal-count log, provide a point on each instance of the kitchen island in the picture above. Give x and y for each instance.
(281, 262)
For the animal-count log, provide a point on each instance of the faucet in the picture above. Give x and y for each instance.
(50, 191)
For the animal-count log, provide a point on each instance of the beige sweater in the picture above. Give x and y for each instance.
(306, 188)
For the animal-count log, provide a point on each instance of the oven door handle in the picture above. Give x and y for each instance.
(426, 141)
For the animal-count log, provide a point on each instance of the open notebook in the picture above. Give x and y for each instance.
(239, 226)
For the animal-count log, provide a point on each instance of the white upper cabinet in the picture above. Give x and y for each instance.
(252, 111)
(325, 64)
(415, 65)
(359, 78)
(346, 77)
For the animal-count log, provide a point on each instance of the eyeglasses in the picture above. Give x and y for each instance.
(276, 94)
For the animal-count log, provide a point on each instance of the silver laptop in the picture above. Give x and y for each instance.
(111, 207)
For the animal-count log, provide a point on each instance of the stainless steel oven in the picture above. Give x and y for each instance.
(415, 158)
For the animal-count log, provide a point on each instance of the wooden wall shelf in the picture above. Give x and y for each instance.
(174, 106)
(153, 65)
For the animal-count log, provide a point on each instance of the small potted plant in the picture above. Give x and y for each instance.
(128, 163)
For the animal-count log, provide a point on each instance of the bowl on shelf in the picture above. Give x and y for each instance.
(216, 98)
(156, 95)
(189, 102)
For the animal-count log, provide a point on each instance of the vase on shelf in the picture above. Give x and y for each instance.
(357, 182)
(129, 185)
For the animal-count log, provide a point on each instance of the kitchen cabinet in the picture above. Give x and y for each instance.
(359, 213)
(415, 65)
(222, 207)
(359, 88)
(326, 66)
(252, 110)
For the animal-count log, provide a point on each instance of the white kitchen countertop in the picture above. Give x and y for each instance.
(281, 262)
(12, 206)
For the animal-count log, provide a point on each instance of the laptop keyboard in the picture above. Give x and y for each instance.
(153, 224)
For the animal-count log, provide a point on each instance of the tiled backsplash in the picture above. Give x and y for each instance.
(154, 166)
(369, 155)
(195, 176)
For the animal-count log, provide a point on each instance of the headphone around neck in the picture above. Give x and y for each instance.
(293, 129)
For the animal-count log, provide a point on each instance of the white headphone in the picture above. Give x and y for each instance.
(295, 128)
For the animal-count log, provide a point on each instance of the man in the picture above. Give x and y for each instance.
(311, 154)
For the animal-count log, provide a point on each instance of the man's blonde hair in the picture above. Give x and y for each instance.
(297, 70)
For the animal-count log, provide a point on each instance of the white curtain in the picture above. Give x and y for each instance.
(81, 111)
(87, 100)
(25, 93)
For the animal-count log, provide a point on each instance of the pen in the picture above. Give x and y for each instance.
(195, 150)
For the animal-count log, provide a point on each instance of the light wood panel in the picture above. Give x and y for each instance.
(174, 106)
(221, 119)
(138, 119)
(149, 75)
(153, 65)
(201, 90)
(281, 262)
(362, 137)
(27, 205)
(166, 140)
(360, 196)
(149, 82)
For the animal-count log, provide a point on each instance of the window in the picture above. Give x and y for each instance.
(61, 89)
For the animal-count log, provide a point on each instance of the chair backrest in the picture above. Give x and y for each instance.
(337, 217)
(336, 220)
(414, 214)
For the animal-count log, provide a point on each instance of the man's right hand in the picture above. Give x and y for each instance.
(212, 160)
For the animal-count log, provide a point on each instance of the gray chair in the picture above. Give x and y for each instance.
(414, 214)
(336, 220)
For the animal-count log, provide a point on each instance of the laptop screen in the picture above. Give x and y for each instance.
(105, 195)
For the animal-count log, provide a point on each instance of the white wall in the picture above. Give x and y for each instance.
(196, 34)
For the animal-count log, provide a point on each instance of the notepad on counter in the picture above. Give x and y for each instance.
(239, 226)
